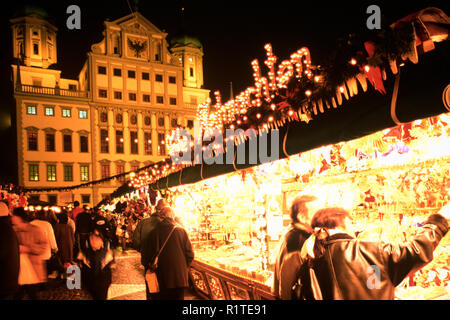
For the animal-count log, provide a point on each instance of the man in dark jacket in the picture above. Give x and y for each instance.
(83, 226)
(288, 260)
(174, 260)
(340, 267)
(9, 256)
(144, 227)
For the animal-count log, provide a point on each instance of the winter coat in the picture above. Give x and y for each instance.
(288, 260)
(75, 212)
(83, 223)
(96, 269)
(9, 257)
(65, 240)
(34, 242)
(49, 235)
(353, 269)
(140, 234)
(176, 256)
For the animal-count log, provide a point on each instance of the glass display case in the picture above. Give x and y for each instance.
(390, 181)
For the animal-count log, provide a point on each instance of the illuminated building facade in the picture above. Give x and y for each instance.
(130, 93)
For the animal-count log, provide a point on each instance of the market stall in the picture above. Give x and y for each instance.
(379, 151)
(389, 182)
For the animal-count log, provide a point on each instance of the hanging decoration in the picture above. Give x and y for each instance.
(296, 90)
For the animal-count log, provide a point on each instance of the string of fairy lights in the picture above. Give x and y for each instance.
(292, 90)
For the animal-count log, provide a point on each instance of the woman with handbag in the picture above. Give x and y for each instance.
(170, 248)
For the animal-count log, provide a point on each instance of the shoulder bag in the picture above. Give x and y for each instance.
(150, 274)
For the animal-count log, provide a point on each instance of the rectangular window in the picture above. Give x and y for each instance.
(37, 82)
(191, 72)
(172, 79)
(49, 111)
(67, 143)
(131, 74)
(66, 113)
(161, 121)
(158, 77)
(36, 48)
(84, 145)
(173, 101)
(83, 114)
(50, 142)
(104, 117)
(72, 87)
(190, 124)
(132, 96)
(84, 172)
(32, 141)
(134, 142)
(33, 172)
(34, 197)
(148, 143)
(160, 99)
(120, 168)
(68, 173)
(85, 198)
(119, 141)
(51, 172)
(102, 93)
(101, 70)
(31, 110)
(117, 72)
(52, 199)
(174, 123)
(105, 171)
(145, 76)
(146, 98)
(118, 95)
(104, 141)
(161, 144)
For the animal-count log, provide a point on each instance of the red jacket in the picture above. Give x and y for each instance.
(75, 212)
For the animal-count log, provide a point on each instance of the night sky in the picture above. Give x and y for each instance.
(233, 33)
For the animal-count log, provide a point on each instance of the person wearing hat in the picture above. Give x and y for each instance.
(9, 256)
(288, 260)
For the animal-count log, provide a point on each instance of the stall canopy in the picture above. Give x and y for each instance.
(418, 90)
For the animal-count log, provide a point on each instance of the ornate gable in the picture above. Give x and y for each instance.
(137, 24)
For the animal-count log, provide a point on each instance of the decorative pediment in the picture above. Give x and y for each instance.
(136, 23)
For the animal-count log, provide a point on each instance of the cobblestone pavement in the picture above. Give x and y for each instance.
(127, 282)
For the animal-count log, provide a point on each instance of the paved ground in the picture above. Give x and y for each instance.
(127, 282)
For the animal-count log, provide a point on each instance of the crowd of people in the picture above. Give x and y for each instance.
(41, 242)
(38, 243)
